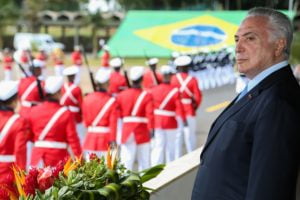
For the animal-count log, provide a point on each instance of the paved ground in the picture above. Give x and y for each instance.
(214, 101)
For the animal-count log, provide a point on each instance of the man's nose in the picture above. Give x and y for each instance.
(239, 46)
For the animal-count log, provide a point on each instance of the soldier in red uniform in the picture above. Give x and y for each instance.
(7, 61)
(136, 107)
(100, 117)
(53, 128)
(191, 98)
(105, 57)
(167, 105)
(77, 61)
(72, 98)
(58, 59)
(13, 131)
(149, 79)
(42, 57)
(117, 81)
(30, 90)
(22, 56)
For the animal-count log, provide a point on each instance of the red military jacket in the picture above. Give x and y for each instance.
(72, 98)
(53, 129)
(13, 137)
(105, 59)
(24, 58)
(190, 93)
(100, 117)
(136, 110)
(76, 58)
(7, 62)
(28, 94)
(167, 105)
(149, 80)
(117, 83)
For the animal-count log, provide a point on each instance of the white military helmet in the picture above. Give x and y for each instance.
(115, 62)
(182, 61)
(136, 72)
(53, 84)
(8, 89)
(103, 75)
(166, 69)
(73, 70)
(152, 61)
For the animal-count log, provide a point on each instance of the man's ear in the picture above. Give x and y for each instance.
(280, 46)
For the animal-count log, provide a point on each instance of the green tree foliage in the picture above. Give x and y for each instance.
(9, 12)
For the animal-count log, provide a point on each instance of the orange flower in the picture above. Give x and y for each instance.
(71, 165)
(20, 180)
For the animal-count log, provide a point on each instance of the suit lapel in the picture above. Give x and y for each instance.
(235, 107)
(227, 113)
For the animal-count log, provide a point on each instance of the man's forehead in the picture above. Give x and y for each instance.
(253, 24)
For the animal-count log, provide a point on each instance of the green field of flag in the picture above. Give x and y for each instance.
(159, 33)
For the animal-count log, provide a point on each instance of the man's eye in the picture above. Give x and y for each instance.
(236, 40)
(250, 38)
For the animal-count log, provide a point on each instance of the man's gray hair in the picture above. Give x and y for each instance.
(281, 25)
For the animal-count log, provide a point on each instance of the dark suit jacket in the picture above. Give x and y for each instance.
(252, 150)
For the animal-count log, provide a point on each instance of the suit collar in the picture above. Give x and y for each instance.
(233, 107)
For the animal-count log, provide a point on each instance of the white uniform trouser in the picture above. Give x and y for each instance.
(77, 76)
(130, 149)
(29, 146)
(189, 134)
(164, 146)
(87, 154)
(80, 132)
(7, 75)
(119, 131)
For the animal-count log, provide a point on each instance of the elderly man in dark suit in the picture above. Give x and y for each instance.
(252, 150)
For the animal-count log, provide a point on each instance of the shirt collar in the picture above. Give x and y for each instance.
(262, 75)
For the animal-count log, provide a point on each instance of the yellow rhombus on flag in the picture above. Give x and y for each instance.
(197, 34)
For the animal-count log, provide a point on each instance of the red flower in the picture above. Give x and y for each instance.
(31, 182)
(3, 194)
(93, 156)
(58, 168)
(45, 179)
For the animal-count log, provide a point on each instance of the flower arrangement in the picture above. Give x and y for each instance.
(100, 178)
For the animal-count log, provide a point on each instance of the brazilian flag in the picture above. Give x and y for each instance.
(159, 33)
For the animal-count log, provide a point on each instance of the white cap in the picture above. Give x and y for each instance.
(136, 72)
(106, 48)
(115, 62)
(70, 71)
(166, 69)
(38, 63)
(103, 75)
(8, 89)
(152, 61)
(53, 84)
(182, 61)
(175, 54)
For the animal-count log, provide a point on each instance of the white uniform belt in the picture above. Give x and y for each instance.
(28, 103)
(51, 144)
(74, 109)
(98, 129)
(186, 101)
(135, 119)
(164, 112)
(7, 158)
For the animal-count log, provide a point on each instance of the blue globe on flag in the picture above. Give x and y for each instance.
(198, 36)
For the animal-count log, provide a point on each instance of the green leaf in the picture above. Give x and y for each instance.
(62, 191)
(110, 191)
(151, 173)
